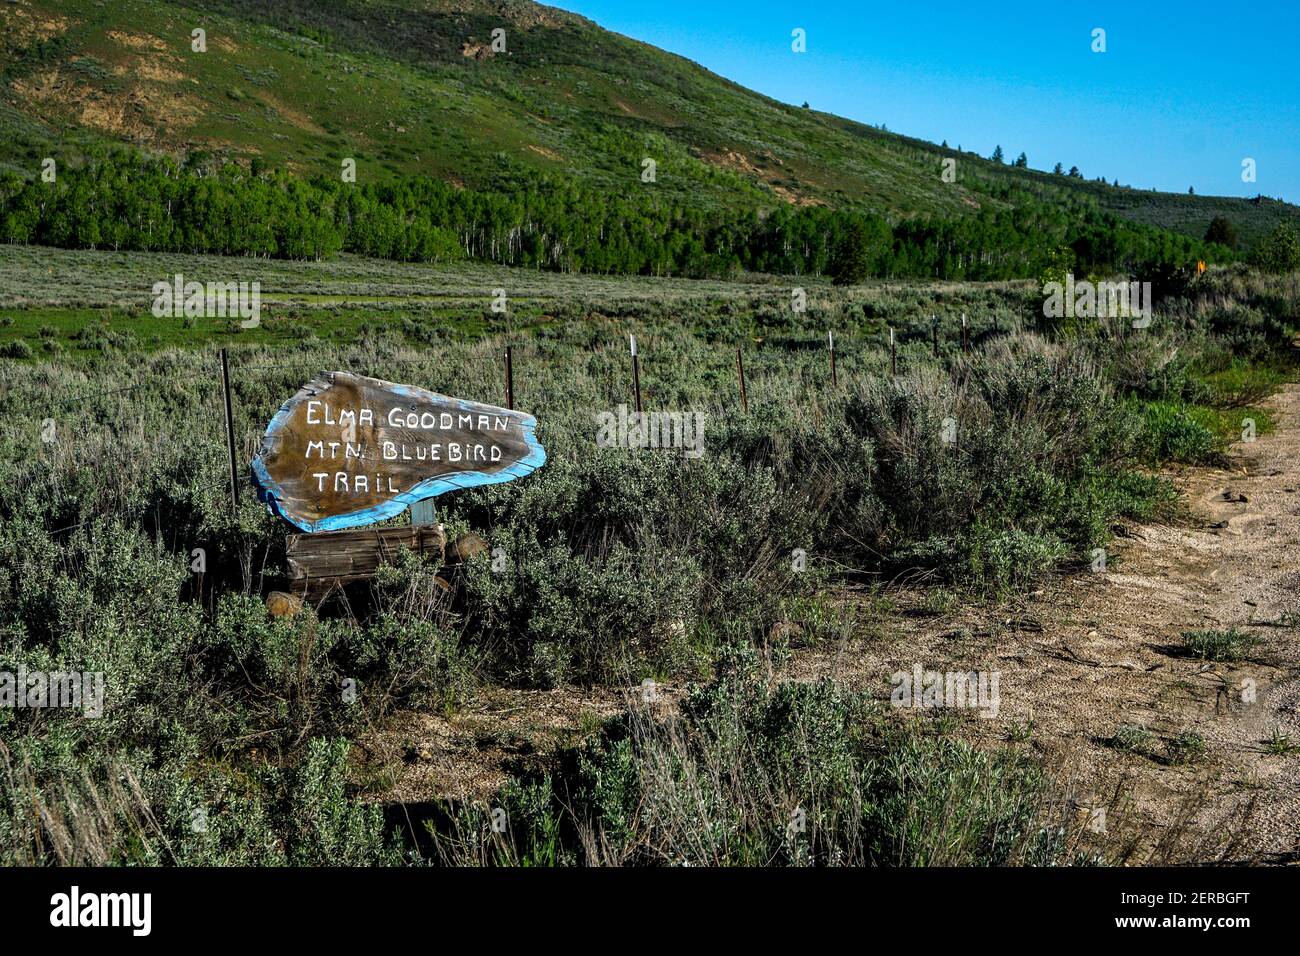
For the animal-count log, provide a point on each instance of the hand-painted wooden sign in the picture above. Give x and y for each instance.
(349, 450)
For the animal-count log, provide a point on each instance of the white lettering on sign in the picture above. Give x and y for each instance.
(350, 450)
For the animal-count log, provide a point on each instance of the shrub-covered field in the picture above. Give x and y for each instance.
(981, 472)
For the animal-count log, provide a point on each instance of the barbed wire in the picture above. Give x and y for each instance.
(244, 481)
(94, 393)
(221, 487)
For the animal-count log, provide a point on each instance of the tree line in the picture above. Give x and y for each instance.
(128, 201)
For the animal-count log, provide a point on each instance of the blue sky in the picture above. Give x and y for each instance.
(1184, 92)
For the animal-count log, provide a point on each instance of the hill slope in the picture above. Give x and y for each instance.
(404, 86)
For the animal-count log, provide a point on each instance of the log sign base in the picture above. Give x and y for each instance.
(349, 450)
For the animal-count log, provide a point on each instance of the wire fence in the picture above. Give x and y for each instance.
(238, 481)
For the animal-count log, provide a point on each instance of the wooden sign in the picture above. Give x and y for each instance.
(319, 563)
(349, 450)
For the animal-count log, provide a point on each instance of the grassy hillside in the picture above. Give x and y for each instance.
(409, 87)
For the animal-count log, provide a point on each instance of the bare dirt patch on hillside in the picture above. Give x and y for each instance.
(24, 26)
(143, 113)
(548, 153)
(740, 163)
(155, 69)
(292, 116)
(137, 41)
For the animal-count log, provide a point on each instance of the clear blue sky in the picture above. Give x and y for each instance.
(1184, 92)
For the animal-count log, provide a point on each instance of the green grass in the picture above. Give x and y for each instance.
(1219, 645)
(1245, 383)
(1229, 425)
(1134, 739)
(1280, 744)
(344, 300)
(74, 335)
(1174, 431)
(1187, 747)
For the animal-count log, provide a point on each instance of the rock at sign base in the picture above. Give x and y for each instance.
(282, 604)
(466, 547)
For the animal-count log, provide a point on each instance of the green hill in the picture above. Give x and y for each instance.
(407, 87)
